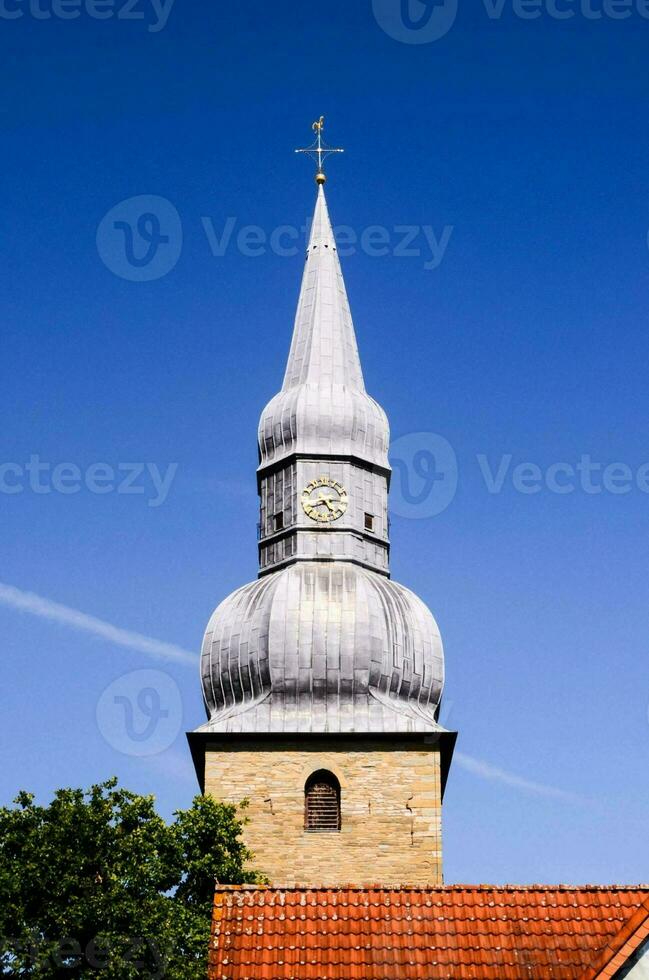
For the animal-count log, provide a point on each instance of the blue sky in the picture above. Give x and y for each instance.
(518, 147)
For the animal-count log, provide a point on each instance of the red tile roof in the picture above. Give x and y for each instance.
(618, 950)
(455, 933)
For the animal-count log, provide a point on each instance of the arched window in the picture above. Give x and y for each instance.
(322, 803)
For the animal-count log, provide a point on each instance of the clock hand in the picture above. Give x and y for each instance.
(325, 499)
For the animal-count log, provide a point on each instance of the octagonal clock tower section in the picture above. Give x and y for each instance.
(323, 426)
(323, 679)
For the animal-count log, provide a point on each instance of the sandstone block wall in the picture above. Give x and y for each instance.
(390, 802)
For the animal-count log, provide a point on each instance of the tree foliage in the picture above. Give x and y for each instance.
(97, 885)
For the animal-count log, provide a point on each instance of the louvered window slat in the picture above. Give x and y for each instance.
(322, 803)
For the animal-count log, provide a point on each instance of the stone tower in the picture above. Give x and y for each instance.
(323, 678)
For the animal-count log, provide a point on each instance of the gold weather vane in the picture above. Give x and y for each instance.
(319, 150)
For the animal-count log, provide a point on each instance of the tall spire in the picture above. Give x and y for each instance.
(323, 410)
(323, 349)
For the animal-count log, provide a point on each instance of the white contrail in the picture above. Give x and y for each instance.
(486, 771)
(46, 609)
(55, 612)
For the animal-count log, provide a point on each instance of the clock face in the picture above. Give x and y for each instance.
(324, 500)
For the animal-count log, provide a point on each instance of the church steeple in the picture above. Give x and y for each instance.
(324, 674)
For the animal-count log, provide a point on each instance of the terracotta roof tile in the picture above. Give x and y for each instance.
(618, 948)
(457, 933)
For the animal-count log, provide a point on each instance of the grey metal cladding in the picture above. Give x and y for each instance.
(334, 642)
(323, 407)
(323, 641)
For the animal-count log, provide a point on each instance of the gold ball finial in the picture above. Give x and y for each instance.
(319, 150)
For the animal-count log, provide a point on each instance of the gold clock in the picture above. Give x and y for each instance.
(324, 500)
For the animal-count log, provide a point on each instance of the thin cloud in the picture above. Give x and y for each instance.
(36, 605)
(492, 773)
(55, 612)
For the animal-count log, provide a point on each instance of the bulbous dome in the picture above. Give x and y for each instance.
(324, 420)
(326, 647)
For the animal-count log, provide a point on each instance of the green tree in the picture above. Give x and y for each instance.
(97, 885)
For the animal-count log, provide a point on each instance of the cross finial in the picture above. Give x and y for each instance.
(319, 150)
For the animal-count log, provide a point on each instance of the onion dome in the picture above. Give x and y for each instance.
(322, 647)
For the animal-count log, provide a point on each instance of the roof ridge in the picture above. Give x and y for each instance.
(423, 932)
(433, 888)
(618, 950)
